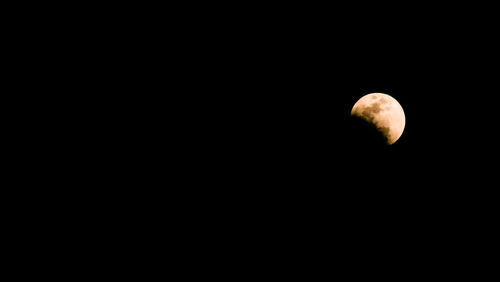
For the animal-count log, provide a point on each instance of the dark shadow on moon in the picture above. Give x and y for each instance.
(367, 115)
(365, 135)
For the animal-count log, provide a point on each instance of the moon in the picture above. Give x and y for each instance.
(382, 111)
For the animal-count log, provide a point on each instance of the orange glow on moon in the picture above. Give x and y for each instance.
(384, 112)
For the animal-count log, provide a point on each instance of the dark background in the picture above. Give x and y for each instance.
(274, 93)
(229, 127)
(274, 150)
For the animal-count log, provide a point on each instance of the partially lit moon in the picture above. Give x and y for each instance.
(384, 112)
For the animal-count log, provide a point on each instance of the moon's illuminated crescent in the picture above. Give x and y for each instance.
(384, 112)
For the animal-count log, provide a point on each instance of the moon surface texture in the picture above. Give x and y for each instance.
(382, 111)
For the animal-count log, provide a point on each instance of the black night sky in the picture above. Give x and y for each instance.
(235, 122)
(223, 131)
(277, 145)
